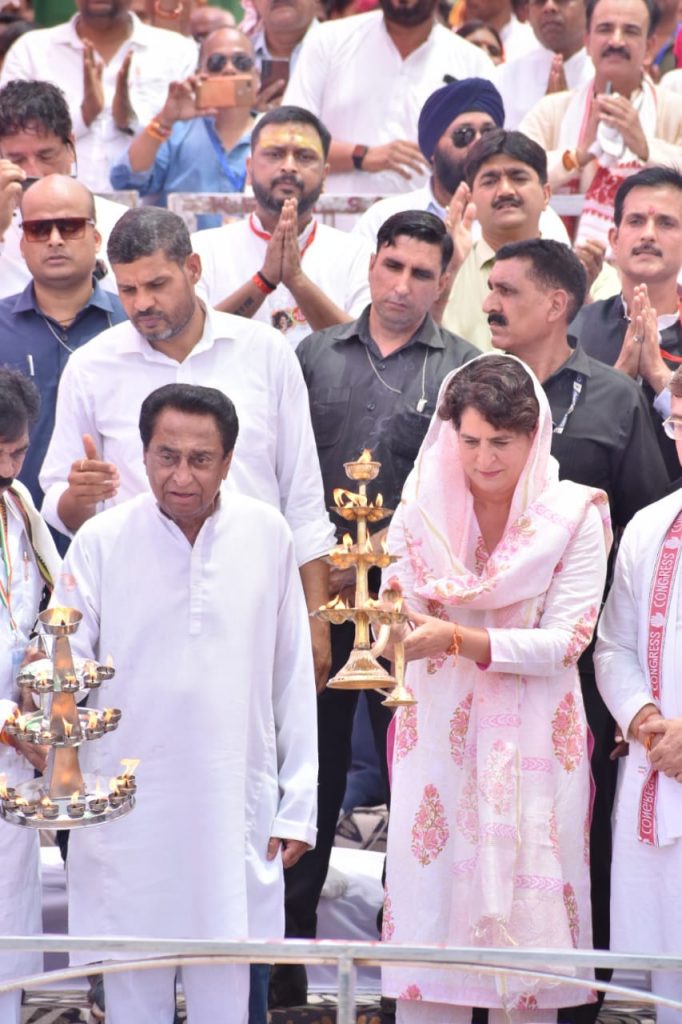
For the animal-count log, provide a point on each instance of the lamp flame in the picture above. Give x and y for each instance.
(92, 720)
(110, 661)
(344, 498)
(3, 787)
(379, 501)
(365, 455)
(129, 766)
(68, 728)
(108, 714)
(75, 797)
(113, 786)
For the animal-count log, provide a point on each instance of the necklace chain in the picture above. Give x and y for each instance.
(421, 404)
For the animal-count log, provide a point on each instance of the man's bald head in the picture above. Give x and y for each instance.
(204, 20)
(57, 192)
(59, 239)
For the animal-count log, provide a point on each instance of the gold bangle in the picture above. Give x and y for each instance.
(455, 644)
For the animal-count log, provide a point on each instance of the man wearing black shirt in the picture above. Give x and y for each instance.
(603, 437)
(639, 331)
(373, 383)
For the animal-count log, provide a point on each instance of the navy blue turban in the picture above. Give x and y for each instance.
(446, 103)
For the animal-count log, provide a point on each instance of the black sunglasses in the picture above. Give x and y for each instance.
(239, 61)
(461, 137)
(68, 228)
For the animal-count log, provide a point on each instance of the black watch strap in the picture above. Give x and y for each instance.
(358, 155)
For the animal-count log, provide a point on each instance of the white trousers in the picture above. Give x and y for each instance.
(214, 995)
(669, 984)
(10, 1007)
(418, 1012)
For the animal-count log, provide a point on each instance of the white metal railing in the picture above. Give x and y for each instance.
(189, 205)
(554, 963)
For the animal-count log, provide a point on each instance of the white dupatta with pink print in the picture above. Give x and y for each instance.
(488, 839)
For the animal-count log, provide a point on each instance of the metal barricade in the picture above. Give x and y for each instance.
(189, 205)
(554, 963)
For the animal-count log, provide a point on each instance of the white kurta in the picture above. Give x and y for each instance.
(352, 76)
(20, 896)
(523, 82)
(336, 261)
(214, 676)
(104, 385)
(646, 901)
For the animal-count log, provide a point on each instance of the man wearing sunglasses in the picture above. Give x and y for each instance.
(36, 139)
(451, 122)
(188, 148)
(62, 308)
(638, 330)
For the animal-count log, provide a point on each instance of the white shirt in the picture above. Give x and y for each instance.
(517, 38)
(523, 82)
(15, 275)
(56, 54)
(214, 676)
(352, 76)
(334, 260)
(104, 385)
(551, 225)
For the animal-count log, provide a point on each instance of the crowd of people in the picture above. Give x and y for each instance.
(175, 411)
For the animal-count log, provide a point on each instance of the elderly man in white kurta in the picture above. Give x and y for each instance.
(196, 595)
(638, 657)
(29, 563)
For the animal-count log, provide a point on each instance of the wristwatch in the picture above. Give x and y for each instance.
(358, 155)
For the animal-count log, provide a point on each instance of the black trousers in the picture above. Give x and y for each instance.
(335, 713)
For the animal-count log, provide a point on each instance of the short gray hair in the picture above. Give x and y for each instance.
(146, 229)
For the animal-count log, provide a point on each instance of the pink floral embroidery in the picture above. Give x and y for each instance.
(422, 572)
(481, 555)
(586, 838)
(571, 905)
(411, 992)
(498, 778)
(554, 834)
(388, 924)
(406, 733)
(568, 738)
(467, 811)
(459, 726)
(430, 831)
(581, 635)
(437, 609)
(525, 1002)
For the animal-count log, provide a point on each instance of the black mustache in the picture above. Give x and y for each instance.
(6, 481)
(506, 201)
(611, 51)
(646, 248)
(497, 318)
(287, 179)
